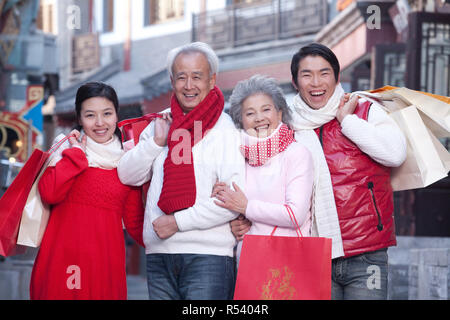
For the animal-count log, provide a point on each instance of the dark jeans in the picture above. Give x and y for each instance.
(361, 277)
(190, 277)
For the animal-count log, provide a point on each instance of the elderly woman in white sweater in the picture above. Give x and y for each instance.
(279, 171)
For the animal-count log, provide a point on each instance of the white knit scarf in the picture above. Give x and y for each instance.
(306, 117)
(104, 155)
(325, 222)
(99, 155)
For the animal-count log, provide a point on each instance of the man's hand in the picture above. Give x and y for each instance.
(346, 107)
(240, 226)
(218, 186)
(165, 226)
(162, 126)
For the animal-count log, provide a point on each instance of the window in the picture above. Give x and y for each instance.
(160, 11)
(238, 2)
(108, 15)
(44, 19)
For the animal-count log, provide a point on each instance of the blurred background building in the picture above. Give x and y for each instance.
(49, 48)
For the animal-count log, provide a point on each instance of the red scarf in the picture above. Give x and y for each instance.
(259, 153)
(179, 189)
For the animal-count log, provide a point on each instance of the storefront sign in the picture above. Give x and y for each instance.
(17, 136)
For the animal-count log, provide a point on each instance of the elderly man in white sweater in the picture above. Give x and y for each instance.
(188, 240)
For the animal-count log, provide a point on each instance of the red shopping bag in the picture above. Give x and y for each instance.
(131, 129)
(14, 199)
(284, 268)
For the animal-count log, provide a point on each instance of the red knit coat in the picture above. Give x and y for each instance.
(82, 255)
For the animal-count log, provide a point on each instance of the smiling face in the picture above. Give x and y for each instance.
(98, 119)
(259, 115)
(315, 81)
(191, 80)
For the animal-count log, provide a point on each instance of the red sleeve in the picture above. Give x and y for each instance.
(57, 181)
(133, 217)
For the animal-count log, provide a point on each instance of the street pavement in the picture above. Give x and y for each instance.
(137, 287)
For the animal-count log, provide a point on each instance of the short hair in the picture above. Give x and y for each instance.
(257, 84)
(200, 47)
(314, 49)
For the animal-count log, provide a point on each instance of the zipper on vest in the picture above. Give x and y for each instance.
(321, 136)
(379, 225)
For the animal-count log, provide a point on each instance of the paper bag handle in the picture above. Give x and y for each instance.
(294, 221)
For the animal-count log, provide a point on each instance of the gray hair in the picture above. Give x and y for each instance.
(257, 84)
(200, 47)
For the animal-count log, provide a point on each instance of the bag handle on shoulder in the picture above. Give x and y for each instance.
(126, 128)
(149, 117)
(58, 144)
(294, 221)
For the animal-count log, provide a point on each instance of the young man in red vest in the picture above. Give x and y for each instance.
(360, 143)
(188, 242)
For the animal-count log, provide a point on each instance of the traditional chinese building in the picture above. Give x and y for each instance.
(24, 74)
(405, 44)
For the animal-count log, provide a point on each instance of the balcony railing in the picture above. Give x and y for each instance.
(36, 52)
(239, 25)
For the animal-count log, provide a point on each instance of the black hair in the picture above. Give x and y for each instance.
(93, 90)
(314, 49)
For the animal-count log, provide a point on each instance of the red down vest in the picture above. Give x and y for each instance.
(362, 190)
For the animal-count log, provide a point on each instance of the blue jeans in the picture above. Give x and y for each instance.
(361, 277)
(190, 277)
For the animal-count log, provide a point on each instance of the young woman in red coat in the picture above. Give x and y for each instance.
(82, 255)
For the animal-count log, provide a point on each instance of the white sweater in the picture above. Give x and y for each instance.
(379, 137)
(203, 228)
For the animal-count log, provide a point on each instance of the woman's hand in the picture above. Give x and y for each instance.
(74, 140)
(232, 200)
(240, 226)
(162, 126)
